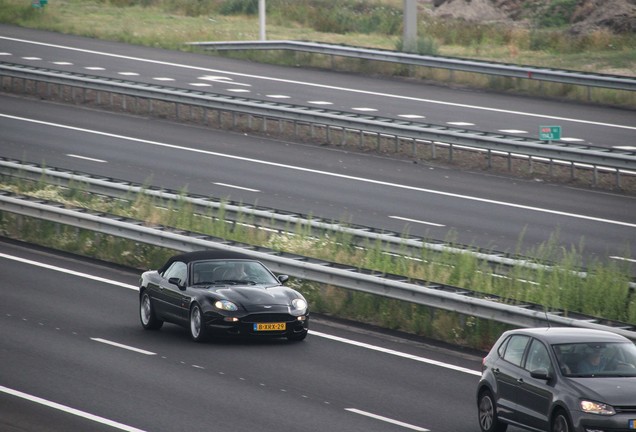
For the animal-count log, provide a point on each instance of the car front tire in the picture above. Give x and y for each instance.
(488, 420)
(147, 315)
(197, 328)
(561, 422)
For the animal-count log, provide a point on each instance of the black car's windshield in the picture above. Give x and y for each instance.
(231, 272)
(593, 359)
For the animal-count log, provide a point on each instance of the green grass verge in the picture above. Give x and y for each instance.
(604, 293)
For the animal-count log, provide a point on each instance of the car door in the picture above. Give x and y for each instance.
(170, 296)
(506, 372)
(535, 394)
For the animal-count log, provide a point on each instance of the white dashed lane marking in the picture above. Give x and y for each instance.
(513, 131)
(416, 221)
(570, 139)
(86, 158)
(126, 347)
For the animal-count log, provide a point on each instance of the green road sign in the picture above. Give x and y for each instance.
(549, 133)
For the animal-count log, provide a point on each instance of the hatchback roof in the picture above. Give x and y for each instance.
(557, 335)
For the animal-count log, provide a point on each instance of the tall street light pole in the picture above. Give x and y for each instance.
(410, 26)
(261, 19)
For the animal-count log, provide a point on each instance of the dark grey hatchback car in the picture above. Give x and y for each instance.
(559, 380)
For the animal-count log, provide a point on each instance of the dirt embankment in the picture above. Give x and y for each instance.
(618, 16)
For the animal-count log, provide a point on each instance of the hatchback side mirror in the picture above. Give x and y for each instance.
(283, 278)
(541, 374)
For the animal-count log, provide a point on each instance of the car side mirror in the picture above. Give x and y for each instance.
(283, 278)
(541, 374)
(176, 281)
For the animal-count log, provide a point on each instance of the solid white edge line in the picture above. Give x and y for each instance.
(126, 347)
(71, 272)
(619, 258)
(386, 419)
(69, 410)
(396, 353)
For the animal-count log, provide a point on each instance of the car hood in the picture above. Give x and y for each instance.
(256, 295)
(613, 391)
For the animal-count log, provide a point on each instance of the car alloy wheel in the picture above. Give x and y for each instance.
(197, 329)
(147, 314)
(488, 421)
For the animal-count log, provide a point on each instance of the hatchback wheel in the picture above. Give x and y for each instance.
(488, 420)
(561, 423)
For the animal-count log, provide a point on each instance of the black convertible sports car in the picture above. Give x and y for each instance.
(221, 293)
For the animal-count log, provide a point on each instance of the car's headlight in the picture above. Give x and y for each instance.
(597, 408)
(299, 304)
(225, 305)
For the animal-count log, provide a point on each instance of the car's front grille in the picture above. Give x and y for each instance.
(267, 317)
(629, 409)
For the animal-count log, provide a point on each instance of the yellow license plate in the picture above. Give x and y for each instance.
(270, 326)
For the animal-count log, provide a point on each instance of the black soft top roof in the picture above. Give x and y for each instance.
(201, 256)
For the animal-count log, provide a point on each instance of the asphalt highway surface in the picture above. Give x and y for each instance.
(474, 208)
(73, 356)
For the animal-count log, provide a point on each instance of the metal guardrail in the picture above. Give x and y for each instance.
(617, 82)
(574, 154)
(391, 286)
(268, 218)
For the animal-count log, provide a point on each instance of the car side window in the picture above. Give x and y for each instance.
(178, 270)
(538, 357)
(515, 348)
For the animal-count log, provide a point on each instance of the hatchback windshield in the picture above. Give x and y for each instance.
(608, 359)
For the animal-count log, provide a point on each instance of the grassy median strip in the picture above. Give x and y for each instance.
(604, 292)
